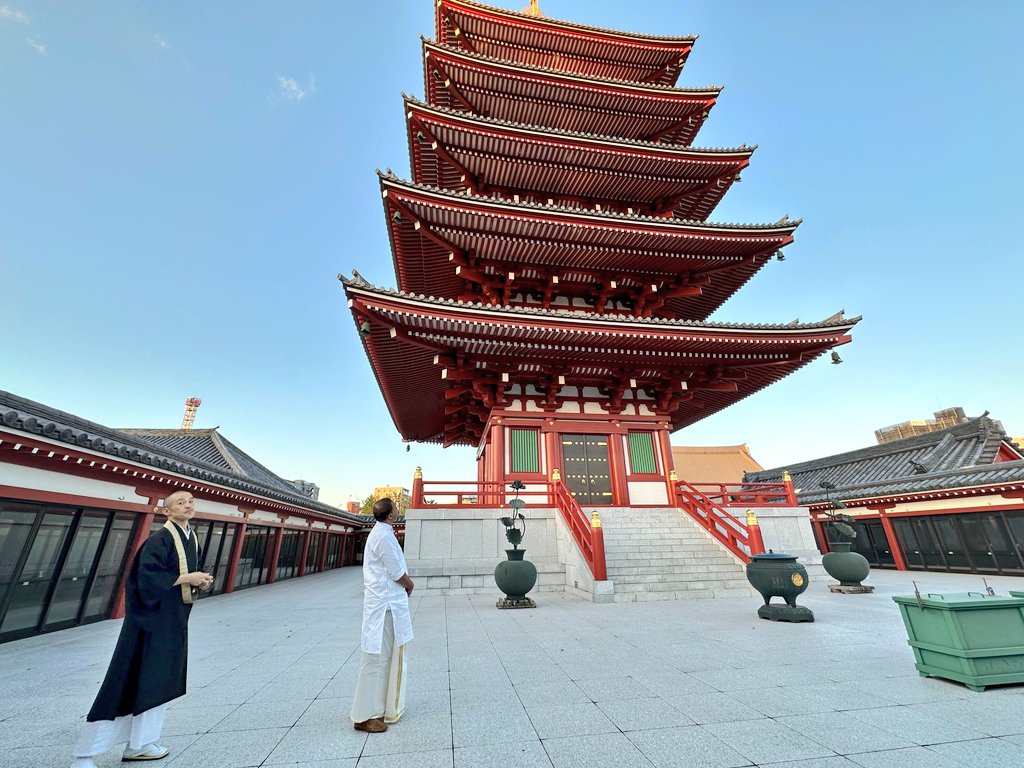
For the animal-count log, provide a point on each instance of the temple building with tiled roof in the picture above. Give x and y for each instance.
(945, 499)
(77, 498)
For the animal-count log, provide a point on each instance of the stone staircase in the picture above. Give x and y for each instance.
(663, 554)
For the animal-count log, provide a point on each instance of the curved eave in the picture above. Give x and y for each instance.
(432, 225)
(406, 332)
(540, 41)
(458, 151)
(563, 101)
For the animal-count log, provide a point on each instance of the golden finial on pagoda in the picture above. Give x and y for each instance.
(751, 517)
(555, 475)
(595, 520)
(673, 476)
(418, 474)
(534, 9)
(786, 477)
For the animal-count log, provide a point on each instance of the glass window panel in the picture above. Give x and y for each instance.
(1015, 528)
(928, 544)
(880, 544)
(1003, 551)
(29, 590)
(977, 544)
(908, 543)
(949, 539)
(77, 566)
(15, 529)
(110, 567)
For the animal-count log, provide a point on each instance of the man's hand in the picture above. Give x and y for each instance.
(196, 579)
(406, 583)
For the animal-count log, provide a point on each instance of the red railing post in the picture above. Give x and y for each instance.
(754, 539)
(417, 489)
(598, 567)
(787, 481)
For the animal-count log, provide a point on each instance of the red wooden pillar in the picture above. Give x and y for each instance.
(304, 552)
(597, 548)
(139, 536)
(417, 489)
(325, 539)
(668, 464)
(617, 469)
(275, 551)
(497, 449)
(894, 542)
(236, 555)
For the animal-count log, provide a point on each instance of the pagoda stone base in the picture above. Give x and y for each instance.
(507, 603)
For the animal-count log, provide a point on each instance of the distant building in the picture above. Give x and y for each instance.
(391, 491)
(77, 498)
(354, 507)
(950, 499)
(698, 464)
(944, 418)
(306, 488)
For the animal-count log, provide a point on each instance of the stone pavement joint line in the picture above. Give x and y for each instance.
(700, 684)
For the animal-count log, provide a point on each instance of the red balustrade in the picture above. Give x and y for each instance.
(748, 494)
(495, 495)
(734, 534)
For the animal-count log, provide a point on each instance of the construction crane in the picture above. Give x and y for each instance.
(191, 406)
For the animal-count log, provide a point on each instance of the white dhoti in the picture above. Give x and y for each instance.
(137, 730)
(380, 689)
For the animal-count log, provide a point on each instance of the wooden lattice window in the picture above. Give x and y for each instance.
(525, 452)
(641, 453)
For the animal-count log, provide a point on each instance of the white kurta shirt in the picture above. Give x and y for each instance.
(383, 565)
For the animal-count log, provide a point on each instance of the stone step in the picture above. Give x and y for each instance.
(626, 571)
(690, 594)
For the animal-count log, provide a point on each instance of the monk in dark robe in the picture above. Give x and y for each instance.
(148, 668)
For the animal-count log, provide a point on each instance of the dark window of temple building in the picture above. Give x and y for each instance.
(288, 557)
(251, 563)
(641, 453)
(872, 543)
(525, 453)
(313, 553)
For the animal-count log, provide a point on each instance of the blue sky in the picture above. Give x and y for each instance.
(181, 184)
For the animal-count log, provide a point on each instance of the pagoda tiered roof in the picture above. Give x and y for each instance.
(563, 101)
(461, 152)
(457, 245)
(444, 365)
(540, 41)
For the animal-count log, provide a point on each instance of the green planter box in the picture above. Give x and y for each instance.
(1016, 593)
(973, 639)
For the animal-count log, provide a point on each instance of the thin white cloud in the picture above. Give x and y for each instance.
(40, 48)
(289, 87)
(6, 12)
(161, 42)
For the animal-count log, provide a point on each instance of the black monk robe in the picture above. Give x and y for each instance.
(148, 667)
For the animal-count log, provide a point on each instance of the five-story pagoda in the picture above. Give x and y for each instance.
(554, 261)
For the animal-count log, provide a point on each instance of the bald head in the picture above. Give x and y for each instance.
(179, 506)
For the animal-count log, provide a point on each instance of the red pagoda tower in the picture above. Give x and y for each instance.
(554, 260)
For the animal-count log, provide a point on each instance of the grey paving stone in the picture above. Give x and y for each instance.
(608, 750)
(430, 732)
(767, 741)
(643, 714)
(260, 715)
(843, 733)
(491, 725)
(234, 749)
(518, 753)
(548, 694)
(818, 762)
(613, 689)
(197, 720)
(712, 708)
(426, 759)
(689, 747)
(995, 716)
(311, 743)
(913, 689)
(486, 696)
(779, 702)
(919, 728)
(982, 752)
(327, 713)
(563, 720)
(673, 683)
(915, 757)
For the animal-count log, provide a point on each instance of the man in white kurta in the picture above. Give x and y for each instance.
(387, 626)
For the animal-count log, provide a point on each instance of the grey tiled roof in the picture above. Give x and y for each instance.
(960, 456)
(838, 320)
(202, 454)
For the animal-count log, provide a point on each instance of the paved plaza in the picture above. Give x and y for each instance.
(666, 684)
